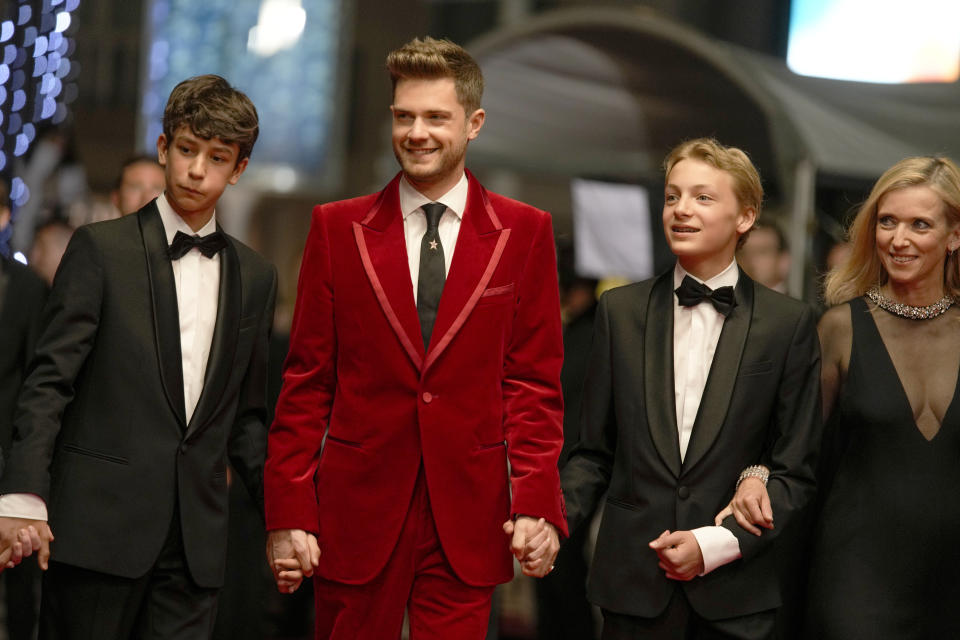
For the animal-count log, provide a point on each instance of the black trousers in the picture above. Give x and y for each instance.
(680, 622)
(165, 604)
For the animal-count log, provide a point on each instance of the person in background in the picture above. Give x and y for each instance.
(50, 241)
(140, 181)
(885, 560)
(765, 256)
(563, 611)
(22, 295)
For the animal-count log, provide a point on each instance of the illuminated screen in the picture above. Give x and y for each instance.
(875, 40)
(281, 53)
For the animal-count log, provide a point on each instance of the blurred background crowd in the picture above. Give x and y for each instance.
(583, 99)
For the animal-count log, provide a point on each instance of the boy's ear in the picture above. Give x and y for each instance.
(238, 170)
(162, 150)
(748, 216)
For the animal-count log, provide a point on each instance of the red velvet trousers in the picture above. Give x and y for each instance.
(418, 579)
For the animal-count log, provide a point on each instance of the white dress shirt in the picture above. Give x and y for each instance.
(696, 331)
(415, 223)
(197, 281)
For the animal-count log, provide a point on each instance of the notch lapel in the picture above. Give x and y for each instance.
(718, 391)
(480, 243)
(166, 318)
(224, 342)
(383, 253)
(659, 391)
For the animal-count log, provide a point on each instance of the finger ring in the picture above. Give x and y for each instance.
(551, 568)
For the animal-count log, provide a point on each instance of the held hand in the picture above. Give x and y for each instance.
(292, 554)
(680, 555)
(750, 506)
(534, 543)
(20, 537)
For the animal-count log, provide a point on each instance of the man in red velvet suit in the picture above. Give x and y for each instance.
(425, 356)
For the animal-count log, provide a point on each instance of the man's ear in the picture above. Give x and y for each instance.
(475, 122)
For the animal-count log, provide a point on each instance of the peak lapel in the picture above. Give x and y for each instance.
(166, 318)
(224, 343)
(480, 243)
(723, 374)
(383, 252)
(659, 391)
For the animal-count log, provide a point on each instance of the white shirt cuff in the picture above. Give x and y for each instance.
(718, 546)
(23, 505)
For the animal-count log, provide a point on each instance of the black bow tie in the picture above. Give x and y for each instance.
(208, 245)
(691, 293)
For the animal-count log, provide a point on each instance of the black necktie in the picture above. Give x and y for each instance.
(691, 293)
(432, 271)
(209, 244)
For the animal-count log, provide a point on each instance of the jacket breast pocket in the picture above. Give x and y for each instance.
(759, 368)
(496, 295)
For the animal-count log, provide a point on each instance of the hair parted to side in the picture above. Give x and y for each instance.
(734, 161)
(863, 267)
(212, 109)
(430, 59)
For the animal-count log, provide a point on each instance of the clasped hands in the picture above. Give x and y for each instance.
(534, 543)
(20, 538)
(294, 554)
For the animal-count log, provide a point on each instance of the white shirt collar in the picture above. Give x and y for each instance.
(173, 222)
(455, 199)
(726, 278)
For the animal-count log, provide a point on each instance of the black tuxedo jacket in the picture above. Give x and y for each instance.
(761, 404)
(20, 307)
(101, 414)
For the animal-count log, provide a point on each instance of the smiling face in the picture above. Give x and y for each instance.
(914, 236)
(196, 172)
(430, 133)
(702, 217)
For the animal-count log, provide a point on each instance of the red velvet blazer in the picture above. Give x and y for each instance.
(485, 393)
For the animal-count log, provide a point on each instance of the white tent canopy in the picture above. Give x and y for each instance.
(606, 91)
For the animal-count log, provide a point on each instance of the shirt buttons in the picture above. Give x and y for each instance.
(427, 397)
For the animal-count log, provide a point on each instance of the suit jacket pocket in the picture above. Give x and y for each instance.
(496, 295)
(72, 448)
(755, 368)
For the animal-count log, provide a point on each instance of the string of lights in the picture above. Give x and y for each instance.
(37, 78)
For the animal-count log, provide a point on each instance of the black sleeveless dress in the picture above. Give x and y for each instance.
(886, 549)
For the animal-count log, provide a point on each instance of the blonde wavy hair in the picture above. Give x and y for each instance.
(734, 161)
(862, 269)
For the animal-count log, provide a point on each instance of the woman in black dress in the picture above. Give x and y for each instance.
(885, 554)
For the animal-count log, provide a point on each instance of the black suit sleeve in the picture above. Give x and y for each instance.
(586, 475)
(796, 431)
(70, 321)
(248, 438)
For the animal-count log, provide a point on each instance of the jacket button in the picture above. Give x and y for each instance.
(427, 397)
(183, 448)
(683, 492)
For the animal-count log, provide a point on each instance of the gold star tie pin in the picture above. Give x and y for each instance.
(433, 245)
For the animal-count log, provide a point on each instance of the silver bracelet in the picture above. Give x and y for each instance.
(757, 471)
